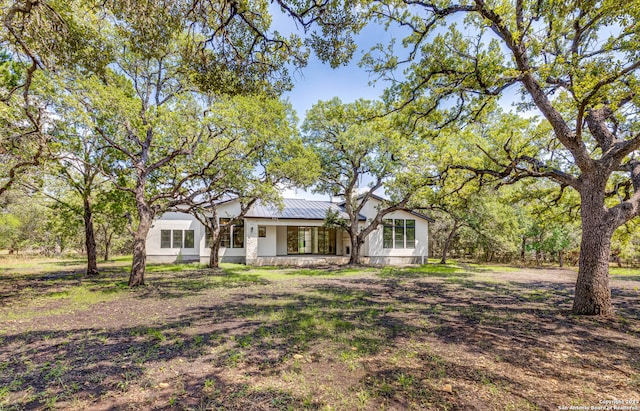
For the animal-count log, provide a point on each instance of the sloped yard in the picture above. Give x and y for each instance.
(433, 337)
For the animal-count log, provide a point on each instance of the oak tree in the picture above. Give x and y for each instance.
(362, 151)
(575, 63)
(252, 153)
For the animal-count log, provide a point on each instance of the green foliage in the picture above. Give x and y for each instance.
(255, 140)
(11, 73)
(491, 225)
(352, 141)
(250, 152)
(626, 244)
(9, 230)
(359, 142)
(29, 222)
(333, 220)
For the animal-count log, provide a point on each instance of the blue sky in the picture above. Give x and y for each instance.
(318, 81)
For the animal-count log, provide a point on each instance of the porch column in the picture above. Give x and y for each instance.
(251, 244)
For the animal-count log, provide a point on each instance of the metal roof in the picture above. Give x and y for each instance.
(297, 209)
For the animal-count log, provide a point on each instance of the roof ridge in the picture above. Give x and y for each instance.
(310, 201)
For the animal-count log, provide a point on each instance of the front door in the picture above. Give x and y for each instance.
(311, 240)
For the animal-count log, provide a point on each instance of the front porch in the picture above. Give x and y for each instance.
(294, 243)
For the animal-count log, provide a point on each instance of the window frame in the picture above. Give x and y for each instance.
(387, 233)
(189, 234)
(174, 238)
(237, 235)
(165, 242)
(399, 233)
(232, 236)
(410, 239)
(225, 233)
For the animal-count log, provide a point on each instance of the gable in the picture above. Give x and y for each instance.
(370, 211)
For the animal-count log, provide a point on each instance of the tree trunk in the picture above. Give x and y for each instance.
(447, 242)
(90, 239)
(107, 244)
(593, 294)
(214, 226)
(214, 253)
(561, 258)
(354, 258)
(214, 256)
(523, 249)
(140, 247)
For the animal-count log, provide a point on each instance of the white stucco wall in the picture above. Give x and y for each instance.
(173, 221)
(267, 246)
(281, 240)
(375, 239)
(373, 246)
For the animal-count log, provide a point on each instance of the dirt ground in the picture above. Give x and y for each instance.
(458, 338)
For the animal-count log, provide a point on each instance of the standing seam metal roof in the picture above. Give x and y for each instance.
(297, 209)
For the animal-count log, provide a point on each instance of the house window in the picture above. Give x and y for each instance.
(292, 240)
(189, 239)
(399, 233)
(262, 231)
(387, 241)
(225, 234)
(165, 238)
(311, 240)
(238, 235)
(174, 239)
(410, 232)
(207, 237)
(177, 239)
(232, 236)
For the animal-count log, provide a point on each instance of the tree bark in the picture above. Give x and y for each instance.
(593, 294)
(90, 239)
(213, 224)
(214, 255)
(354, 258)
(561, 258)
(356, 243)
(447, 242)
(107, 244)
(140, 247)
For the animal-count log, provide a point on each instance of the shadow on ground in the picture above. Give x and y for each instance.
(401, 340)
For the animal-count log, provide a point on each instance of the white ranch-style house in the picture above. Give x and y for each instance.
(294, 235)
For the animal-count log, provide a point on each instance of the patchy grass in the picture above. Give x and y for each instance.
(19, 264)
(428, 270)
(625, 273)
(441, 337)
(74, 299)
